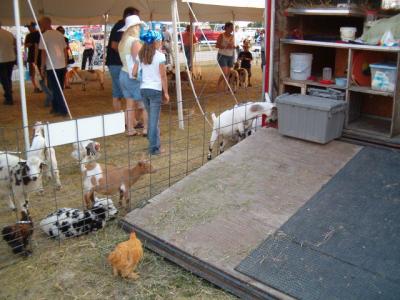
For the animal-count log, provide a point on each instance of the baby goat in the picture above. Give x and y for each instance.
(235, 121)
(18, 235)
(45, 154)
(111, 180)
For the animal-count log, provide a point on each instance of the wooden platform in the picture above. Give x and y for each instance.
(209, 221)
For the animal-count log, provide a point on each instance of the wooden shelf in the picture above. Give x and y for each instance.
(328, 11)
(340, 45)
(368, 124)
(368, 90)
(289, 81)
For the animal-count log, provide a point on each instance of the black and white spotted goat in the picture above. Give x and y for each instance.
(18, 178)
(71, 222)
(237, 122)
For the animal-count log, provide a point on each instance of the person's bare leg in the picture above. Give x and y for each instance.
(145, 119)
(117, 104)
(139, 115)
(131, 106)
(32, 75)
(226, 71)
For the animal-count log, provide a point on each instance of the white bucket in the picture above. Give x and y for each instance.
(300, 65)
(348, 33)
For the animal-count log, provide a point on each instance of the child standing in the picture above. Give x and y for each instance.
(246, 57)
(153, 85)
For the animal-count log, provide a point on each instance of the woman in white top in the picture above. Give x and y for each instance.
(226, 49)
(153, 85)
(128, 49)
(88, 44)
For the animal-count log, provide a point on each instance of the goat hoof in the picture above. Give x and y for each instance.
(209, 157)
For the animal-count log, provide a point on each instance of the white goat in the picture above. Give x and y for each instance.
(85, 151)
(45, 154)
(236, 121)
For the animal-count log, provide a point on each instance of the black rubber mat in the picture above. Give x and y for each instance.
(344, 243)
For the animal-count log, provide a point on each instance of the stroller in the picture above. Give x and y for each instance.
(98, 55)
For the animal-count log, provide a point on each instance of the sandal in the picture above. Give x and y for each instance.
(139, 125)
(132, 133)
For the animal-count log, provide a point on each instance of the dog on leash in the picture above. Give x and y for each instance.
(243, 75)
(76, 74)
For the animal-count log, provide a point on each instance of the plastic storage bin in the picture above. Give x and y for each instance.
(310, 118)
(383, 77)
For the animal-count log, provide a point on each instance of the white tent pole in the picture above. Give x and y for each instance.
(21, 74)
(174, 9)
(104, 40)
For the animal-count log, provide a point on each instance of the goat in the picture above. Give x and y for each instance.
(233, 122)
(39, 148)
(18, 177)
(18, 235)
(110, 180)
(85, 151)
(70, 222)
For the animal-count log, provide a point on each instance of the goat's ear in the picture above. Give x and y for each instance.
(256, 108)
(22, 163)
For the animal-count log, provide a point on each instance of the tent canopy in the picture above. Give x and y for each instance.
(79, 12)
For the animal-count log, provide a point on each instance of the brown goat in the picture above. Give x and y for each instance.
(110, 180)
(18, 235)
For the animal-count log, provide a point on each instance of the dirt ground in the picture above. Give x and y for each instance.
(76, 268)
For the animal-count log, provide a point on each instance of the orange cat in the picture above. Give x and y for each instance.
(126, 256)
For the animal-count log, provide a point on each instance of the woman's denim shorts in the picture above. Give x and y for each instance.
(225, 61)
(130, 87)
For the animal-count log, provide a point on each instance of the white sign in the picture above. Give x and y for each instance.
(72, 131)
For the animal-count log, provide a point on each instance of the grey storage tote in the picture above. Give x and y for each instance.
(310, 118)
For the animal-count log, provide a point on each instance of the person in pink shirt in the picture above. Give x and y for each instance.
(88, 44)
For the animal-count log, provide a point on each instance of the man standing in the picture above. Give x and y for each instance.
(187, 45)
(7, 61)
(57, 52)
(261, 40)
(167, 44)
(31, 43)
(113, 60)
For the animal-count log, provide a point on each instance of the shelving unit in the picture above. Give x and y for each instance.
(331, 11)
(370, 114)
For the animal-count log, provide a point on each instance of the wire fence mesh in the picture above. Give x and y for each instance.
(185, 151)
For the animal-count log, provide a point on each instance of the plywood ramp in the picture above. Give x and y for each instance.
(211, 220)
